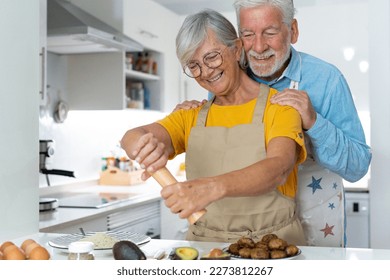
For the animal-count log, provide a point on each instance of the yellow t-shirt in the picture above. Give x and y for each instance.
(278, 121)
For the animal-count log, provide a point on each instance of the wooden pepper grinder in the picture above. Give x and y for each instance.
(165, 178)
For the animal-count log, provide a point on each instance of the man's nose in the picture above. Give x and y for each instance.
(259, 44)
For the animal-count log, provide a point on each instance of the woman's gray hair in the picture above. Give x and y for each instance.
(194, 30)
(285, 6)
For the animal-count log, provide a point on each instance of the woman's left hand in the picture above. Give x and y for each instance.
(186, 198)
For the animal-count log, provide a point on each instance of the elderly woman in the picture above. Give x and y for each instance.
(229, 142)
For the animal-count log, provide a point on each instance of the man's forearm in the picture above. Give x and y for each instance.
(346, 156)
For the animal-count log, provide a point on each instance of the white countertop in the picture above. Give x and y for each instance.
(308, 253)
(144, 192)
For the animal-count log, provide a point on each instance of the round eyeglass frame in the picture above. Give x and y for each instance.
(188, 72)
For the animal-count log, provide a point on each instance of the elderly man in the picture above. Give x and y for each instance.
(336, 143)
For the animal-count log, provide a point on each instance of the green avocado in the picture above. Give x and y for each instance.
(185, 253)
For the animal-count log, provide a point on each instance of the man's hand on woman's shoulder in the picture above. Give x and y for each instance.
(189, 104)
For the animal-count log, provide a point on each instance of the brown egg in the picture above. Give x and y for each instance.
(26, 243)
(30, 247)
(5, 245)
(1, 256)
(10, 247)
(13, 252)
(39, 253)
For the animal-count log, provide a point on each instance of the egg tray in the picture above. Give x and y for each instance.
(63, 242)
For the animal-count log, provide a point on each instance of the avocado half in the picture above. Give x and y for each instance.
(185, 253)
(127, 250)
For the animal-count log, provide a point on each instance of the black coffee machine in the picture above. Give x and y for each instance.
(46, 153)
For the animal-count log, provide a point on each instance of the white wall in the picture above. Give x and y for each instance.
(379, 43)
(330, 28)
(87, 136)
(19, 87)
(326, 28)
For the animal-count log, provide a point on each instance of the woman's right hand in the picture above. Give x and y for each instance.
(150, 153)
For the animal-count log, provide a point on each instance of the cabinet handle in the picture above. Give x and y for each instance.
(148, 34)
(165, 178)
(43, 73)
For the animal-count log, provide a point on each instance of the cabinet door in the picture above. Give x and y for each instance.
(143, 219)
(172, 226)
(139, 23)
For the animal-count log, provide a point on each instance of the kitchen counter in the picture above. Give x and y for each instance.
(139, 194)
(150, 248)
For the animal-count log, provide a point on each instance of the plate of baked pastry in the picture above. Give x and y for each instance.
(269, 247)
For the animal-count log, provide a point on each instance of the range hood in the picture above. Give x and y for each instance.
(71, 30)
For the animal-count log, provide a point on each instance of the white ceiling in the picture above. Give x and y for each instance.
(186, 7)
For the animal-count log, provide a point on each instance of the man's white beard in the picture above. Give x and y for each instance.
(257, 67)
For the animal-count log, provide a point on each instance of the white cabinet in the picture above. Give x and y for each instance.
(172, 226)
(19, 87)
(357, 208)
(142, 218)
(155, 27)
(149, 24)
(98, 81)
(152, 82)
(97, 224)
(42, 51)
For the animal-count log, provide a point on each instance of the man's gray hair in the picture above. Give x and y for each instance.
(193, 33)
(285, 6)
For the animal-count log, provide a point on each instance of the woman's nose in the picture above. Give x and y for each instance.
(206, 71)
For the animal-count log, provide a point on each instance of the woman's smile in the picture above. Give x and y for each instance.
(215, 78)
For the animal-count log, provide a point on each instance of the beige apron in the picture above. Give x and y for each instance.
(320, 200)
(216, 150)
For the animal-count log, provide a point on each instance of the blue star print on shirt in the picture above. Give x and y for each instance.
(315, 184)
(331, 206)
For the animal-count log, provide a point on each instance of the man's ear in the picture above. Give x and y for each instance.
(238, 49)
(294, 31)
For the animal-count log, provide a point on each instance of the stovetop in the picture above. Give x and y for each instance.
(93, 200)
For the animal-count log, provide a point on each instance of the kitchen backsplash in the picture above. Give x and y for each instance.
(87, 136)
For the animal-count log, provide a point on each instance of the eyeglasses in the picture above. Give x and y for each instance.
(212, 60)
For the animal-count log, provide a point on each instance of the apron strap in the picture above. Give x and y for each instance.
(260, 104)
(202, 116)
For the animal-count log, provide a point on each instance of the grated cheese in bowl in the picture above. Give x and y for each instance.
(101, 240)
